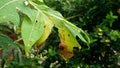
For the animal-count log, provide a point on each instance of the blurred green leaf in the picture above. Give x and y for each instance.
(114, 35)
(8, 46)
(8, 10)
(110, 18)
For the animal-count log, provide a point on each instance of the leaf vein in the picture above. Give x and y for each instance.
(7, 3)
(32, 28)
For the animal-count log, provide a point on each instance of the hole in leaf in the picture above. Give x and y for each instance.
(68, 35)
(81, 42)
(44, 26)
(75, 50)
(36, 21)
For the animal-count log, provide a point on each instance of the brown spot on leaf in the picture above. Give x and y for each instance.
(62, 47)
(45, 24)
(64, 53)
(63, 50)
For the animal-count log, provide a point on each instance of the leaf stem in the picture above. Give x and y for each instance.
(73, 17)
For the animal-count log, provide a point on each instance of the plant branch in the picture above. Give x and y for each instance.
(72, 17)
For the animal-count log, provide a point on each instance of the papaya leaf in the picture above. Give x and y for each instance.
(68, 42)
(8, 10)
(31, 31)
(38, 22)
(67, 31)
(36, 27)
(57, 17)
(78, 32)
(48, 25)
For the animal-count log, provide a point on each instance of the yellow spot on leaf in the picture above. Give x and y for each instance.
(45, 24)
(79, 30)
(4, 17)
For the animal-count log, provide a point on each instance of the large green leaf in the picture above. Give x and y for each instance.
(67, 31)
(8, 10)
(57, 17)
(7, 45)
(38, 22)
(35, 28)
(59, 21)
(31, 31)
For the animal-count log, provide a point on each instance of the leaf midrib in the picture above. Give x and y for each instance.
(62, 19)
(32, 29)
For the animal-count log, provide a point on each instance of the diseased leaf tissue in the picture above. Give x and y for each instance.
(38, 22)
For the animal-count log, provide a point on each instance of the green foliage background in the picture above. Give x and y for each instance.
(99, 18)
